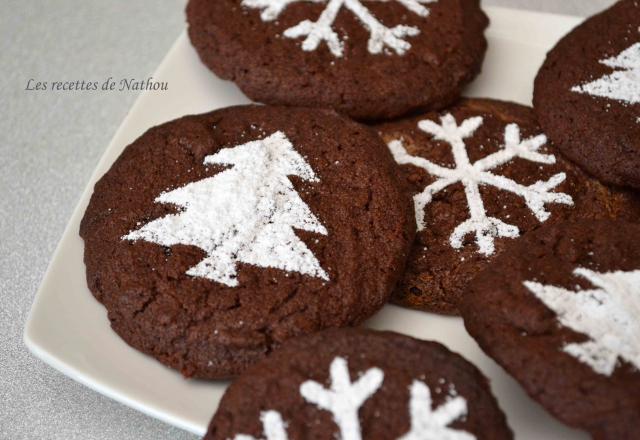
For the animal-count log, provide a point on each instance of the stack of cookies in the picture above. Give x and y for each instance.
(248, 242)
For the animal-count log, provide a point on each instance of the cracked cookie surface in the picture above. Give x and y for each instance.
(559, 312)
(206, 328)
(482, 175)
(357, 383)
(587, 96)
(371, 60)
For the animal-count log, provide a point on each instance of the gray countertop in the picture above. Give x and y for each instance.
(49, 144)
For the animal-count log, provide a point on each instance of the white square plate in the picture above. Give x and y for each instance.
(69, 330)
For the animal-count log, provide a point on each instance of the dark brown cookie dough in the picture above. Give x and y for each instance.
(233, 40)
(591, 264)
(437, 272)
(209, 329)
(392, 372)
(587, 95)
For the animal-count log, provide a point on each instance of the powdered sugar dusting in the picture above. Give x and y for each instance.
(621, 85)
(273, 426)
(316, 32)
(472, 176)
(245, 214)
(608, 315)
(430, 423)
(344, 398)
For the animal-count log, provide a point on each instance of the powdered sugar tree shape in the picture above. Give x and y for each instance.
(344, 398)
(244, 214)
(427, 423)
(316, 32)
(621, 85)
(607, 314)
(473, 175)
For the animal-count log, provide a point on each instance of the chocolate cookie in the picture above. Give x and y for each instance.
(483, 174)
(351, 384)
(367, 59)
(214, 238)
(560, 311)
(587, 95)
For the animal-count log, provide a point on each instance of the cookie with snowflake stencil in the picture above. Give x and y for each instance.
(587, 95)
(560, 311)
(369, 59)
(355, 384)
(214, 238)
(483, 174)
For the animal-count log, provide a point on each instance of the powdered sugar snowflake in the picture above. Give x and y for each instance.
(472, 176)
(427, 423)
(608, 315)
(344, 398)
(272, 425)
(315, 32)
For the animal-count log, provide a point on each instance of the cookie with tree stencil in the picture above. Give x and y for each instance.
(483, 174)
(560, 311)
(368, 59)
(215, 238)
(353, 384)
(587, 95)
